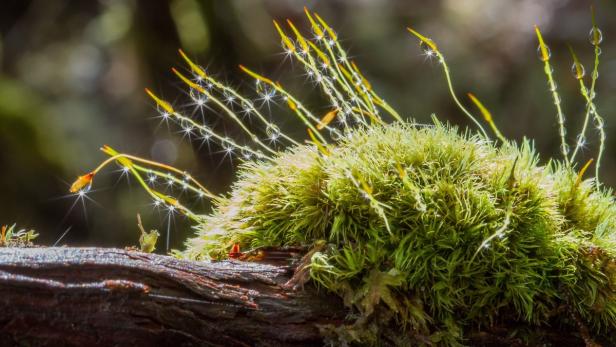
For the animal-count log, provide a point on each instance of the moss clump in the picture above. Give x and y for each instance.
(428, 234)
(447, 231)
(10, 236)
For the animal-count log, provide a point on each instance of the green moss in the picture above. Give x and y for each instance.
(429, 235)
(10, 236)
(417, 245)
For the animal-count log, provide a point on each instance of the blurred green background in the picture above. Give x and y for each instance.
(72, 75)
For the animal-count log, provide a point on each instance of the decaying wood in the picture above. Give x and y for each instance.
(104, 297)
(112, 297)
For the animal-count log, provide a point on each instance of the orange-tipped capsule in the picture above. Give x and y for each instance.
(327, 119)
(160, 102)
(82, 183)
(235, 251)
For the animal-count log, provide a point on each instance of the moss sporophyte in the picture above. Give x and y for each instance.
(421, 228)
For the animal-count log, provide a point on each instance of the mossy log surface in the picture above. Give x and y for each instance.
(104, 297)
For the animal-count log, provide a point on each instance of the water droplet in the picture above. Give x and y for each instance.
(245, 154)
(427, 50)
(578, 70)
(581, 140)
(595, 36)
(272, 131)
(553, 87)
(564, 148)
(335, 134)
(204, 134)
(540, 54)
(228, 147)
(595, 74)
(556, 99)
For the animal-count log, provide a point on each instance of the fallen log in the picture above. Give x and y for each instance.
(103, 297)
(63, 296)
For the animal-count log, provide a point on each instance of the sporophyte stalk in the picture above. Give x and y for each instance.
(421, 228)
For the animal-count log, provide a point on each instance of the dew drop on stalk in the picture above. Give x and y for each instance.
(229, 99)
(578, 70)
(186, 176)
(564, 148)
(245, 154)
(335, 135)
(540, 53)
(553, 87)
(188, 129)
(581, 140)
(427, 50)
(197, 98)
(595, 74)
(260, 155)
(595, 36)
(228, 147)
(556, 99)
(272, 131)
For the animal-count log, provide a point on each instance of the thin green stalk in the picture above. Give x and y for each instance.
(547, 68)
(441, 58)
(225, 89)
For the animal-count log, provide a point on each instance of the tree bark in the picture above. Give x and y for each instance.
(113, 297)
(106, 297)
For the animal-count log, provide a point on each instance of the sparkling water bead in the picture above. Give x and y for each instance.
(227, 145)
(427, 50)
(578, 71)
(245, 154)
(272, 131)
(564, 148)
(595, 36)
(540, 53)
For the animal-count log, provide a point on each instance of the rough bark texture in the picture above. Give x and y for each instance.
(112, 297)
(106, 297)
